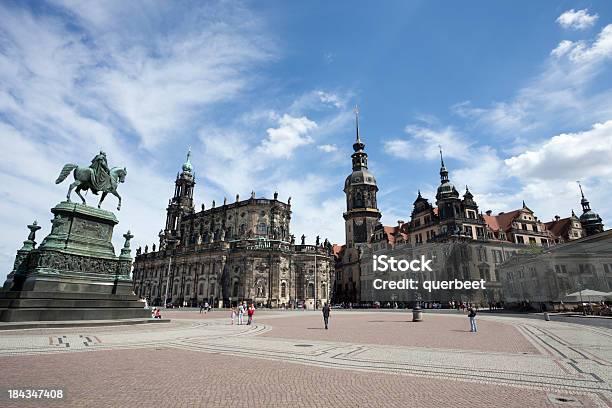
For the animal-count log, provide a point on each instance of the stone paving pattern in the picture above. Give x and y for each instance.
(285, 358)
(179, 378)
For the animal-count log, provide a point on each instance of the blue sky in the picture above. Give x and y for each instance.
(517, 93)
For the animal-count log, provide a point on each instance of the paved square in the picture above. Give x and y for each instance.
(286, 358)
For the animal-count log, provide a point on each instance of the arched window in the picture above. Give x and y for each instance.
(283, 289)
(323, 292)
(201, 289)
(235, 289)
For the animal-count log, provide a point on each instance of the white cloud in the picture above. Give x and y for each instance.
(568, 156)
(561, 95)
(317, 217)
(581, 52)
(291, 133)
(331, 98)
(423, 141)
(578, 20)
(399, 148)
(563, 48)
(328, 148)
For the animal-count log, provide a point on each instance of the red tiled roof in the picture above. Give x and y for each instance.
(559, 228)
(502, 221)
(392, 233)
(336, 249)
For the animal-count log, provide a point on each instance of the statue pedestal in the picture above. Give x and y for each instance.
(74, 274)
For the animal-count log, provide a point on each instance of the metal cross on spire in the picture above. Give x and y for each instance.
(441, 158)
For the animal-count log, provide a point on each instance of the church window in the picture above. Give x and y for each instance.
(310, 290)
(262, 229)
(283, 289)
(201, 289)
(235, 289)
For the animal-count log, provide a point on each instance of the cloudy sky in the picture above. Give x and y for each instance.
(518, 93)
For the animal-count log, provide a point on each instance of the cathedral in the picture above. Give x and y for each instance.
(240, 251)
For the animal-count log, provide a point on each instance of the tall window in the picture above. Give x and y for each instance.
(283, 289)
(235, 290)
(262, 229)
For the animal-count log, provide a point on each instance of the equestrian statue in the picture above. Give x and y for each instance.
(97, 177)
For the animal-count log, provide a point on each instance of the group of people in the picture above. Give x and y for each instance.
(241, 310)
(156, 313)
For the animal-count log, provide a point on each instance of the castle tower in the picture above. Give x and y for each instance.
(591, 221)
(360, 187)
(182, 202)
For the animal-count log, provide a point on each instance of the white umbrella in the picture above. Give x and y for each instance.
(587, 294)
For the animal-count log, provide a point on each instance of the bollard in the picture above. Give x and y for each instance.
(417, 314)
(546, 317)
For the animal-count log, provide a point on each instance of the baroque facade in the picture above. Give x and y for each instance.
(240, 251)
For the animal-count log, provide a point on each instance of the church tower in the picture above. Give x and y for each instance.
(181, 203)
(360, 187)
(591, 221)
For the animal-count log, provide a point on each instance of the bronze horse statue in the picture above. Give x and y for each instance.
(83, 181)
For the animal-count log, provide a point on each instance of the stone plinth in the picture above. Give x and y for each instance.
(74, 274)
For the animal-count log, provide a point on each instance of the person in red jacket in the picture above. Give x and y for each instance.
(250, 313)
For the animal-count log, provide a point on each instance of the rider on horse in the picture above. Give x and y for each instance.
(100, 179)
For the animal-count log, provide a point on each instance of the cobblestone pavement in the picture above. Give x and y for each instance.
(365, 359)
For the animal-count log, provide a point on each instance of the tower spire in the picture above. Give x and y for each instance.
(580, 186)
(443, 171)
(356, 111)
(187, 167)
(586, 206)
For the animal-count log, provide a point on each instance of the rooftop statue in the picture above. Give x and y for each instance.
(97, 177)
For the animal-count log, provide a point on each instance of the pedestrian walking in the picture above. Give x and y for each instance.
(157, 313)
(233, 314)
(326, 310)
(206, 307)
(240, 314)
(250, 313)
(201, 307)
(472, 316)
